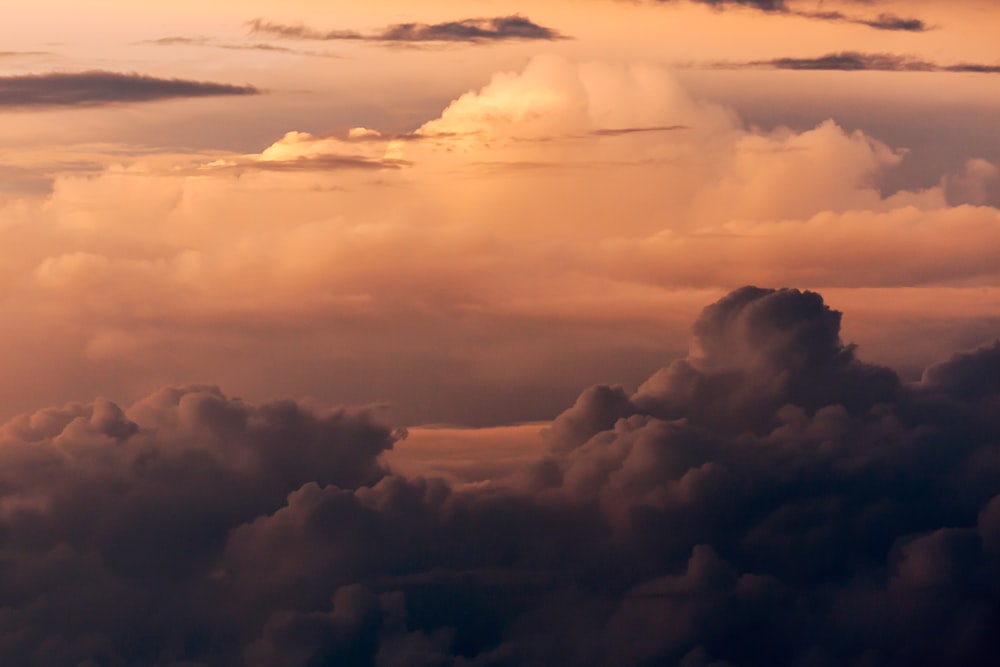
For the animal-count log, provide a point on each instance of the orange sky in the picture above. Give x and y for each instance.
(521, 218)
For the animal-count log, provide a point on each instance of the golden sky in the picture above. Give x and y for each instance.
(470, 229)
(482, 333)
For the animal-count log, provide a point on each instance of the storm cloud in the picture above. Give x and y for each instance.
(95, 88)
(474, 30)
(770, 499)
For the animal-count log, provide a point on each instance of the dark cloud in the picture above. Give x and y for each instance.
(883, 21)
(621, 131)
(316, 163)
(883, 62)
(477, 30)
(769, 499)
(94, 88)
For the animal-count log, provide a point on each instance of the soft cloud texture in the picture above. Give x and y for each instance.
(558, 201)
(769, 498)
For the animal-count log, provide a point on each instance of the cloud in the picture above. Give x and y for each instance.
(257, 46)
(475, 30)
(767, 498)
(529, 244)
(884, 21)
(884, 62)
(889, 22)
(300, 151)
(95, 88)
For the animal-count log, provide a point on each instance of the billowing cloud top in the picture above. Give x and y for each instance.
(769, 499)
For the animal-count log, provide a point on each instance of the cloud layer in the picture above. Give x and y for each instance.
(768, 499)
(531, 223)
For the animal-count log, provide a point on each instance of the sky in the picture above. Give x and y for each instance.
(500, 333)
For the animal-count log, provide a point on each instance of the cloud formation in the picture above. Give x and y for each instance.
(767, 499)
(95, 88)
(474, 30)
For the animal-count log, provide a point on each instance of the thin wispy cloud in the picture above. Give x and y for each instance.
(471, 31)
(883, 21)
(205, 42)
(96, 88)
(852, 61)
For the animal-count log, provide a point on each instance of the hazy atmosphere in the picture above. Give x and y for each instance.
(609, 332)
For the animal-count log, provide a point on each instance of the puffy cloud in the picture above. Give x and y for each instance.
(769, 498)
(532, 223)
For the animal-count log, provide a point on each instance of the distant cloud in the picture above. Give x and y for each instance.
(620, 131)
(881, 22)
(95, 88)
(257, 46)
(883, 62)
(300, 151)
(884, 21)
(24, 54)
(475, 30)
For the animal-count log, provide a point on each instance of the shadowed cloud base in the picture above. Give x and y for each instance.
(769, 499)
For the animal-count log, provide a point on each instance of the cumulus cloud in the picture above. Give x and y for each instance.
(533, 222)
(768, 499)
(94, 88)
(472, 31)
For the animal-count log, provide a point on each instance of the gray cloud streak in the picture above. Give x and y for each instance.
(475, 30)
(851, 61)
(95, 88)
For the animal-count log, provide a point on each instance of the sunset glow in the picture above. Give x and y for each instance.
(657, 332)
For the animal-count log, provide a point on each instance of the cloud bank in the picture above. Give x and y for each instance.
(95, 88)
(768, 499)
(561, 212)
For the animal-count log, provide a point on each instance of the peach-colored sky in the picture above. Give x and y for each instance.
(519, 219)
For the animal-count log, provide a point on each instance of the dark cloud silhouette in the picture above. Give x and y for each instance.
(883, 21)
(317, 163)
(884, 62)
(769, 499)
(94, 88)
(621, 131)
(475, 30)
(889, 22)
